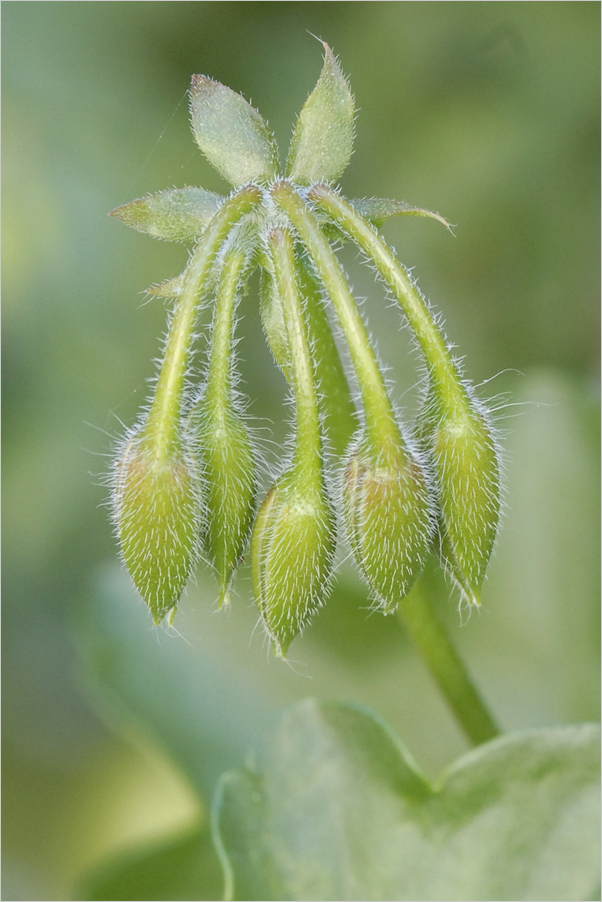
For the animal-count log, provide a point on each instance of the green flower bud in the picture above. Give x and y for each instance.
(157, 513)
(292, 553)
(222, 441)
(228, 466)
(461, 450)
(389, 521)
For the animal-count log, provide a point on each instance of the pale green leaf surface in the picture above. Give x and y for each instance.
(322, 142)
(231, 133)
(332, 808)
(179, 214)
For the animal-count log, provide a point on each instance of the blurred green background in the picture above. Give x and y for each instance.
(114, 733)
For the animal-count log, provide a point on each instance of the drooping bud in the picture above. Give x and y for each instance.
(292, 552)
(223, 444)
(294, 537)
(453, 430)
(228, 466)
(459, 445)
(157, 513)
(389, 520)
(322, 142)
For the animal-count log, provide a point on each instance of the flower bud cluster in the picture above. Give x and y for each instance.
(185, 483)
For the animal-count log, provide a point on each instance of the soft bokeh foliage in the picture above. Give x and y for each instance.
(487, 113)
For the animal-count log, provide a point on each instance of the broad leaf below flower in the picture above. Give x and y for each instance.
(333, 808)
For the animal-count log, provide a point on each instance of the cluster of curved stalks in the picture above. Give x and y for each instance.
(185, 480)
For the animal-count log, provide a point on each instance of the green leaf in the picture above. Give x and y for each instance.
(377, 210)
(180, 214)
(333, 808)
(231, 133)
(323, 138)
(182, 867)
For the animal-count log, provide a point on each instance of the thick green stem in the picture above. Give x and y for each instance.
(445, 664)
(308, 450)
(381, 425)
(444, 374)
(162, 428)
(219, 378)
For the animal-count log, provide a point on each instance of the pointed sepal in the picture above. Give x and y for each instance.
(179, 214)
(377, 210)
(323, 138)
(231, 133)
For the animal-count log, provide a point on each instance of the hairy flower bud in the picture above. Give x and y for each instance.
(389, 523)
(228, 466)
(292, 552)
(461, 450)
(157, 513)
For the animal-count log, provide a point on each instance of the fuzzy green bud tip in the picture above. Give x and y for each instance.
(292, 551)
(463, 456)
(227, 461)
(157, 515)
(389, 522)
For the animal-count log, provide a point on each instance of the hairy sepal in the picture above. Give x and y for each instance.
(389, 520)
(322, 142)
(234, 137)
(292, 554)
(179, 214)
(157, 509)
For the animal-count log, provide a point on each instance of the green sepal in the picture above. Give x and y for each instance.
(179, 214)
(157, 512)
(233, 136)
(322, 142)
(461, 452)
(171, 288)
(388, 518)
(377, 210)
(292, 554)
